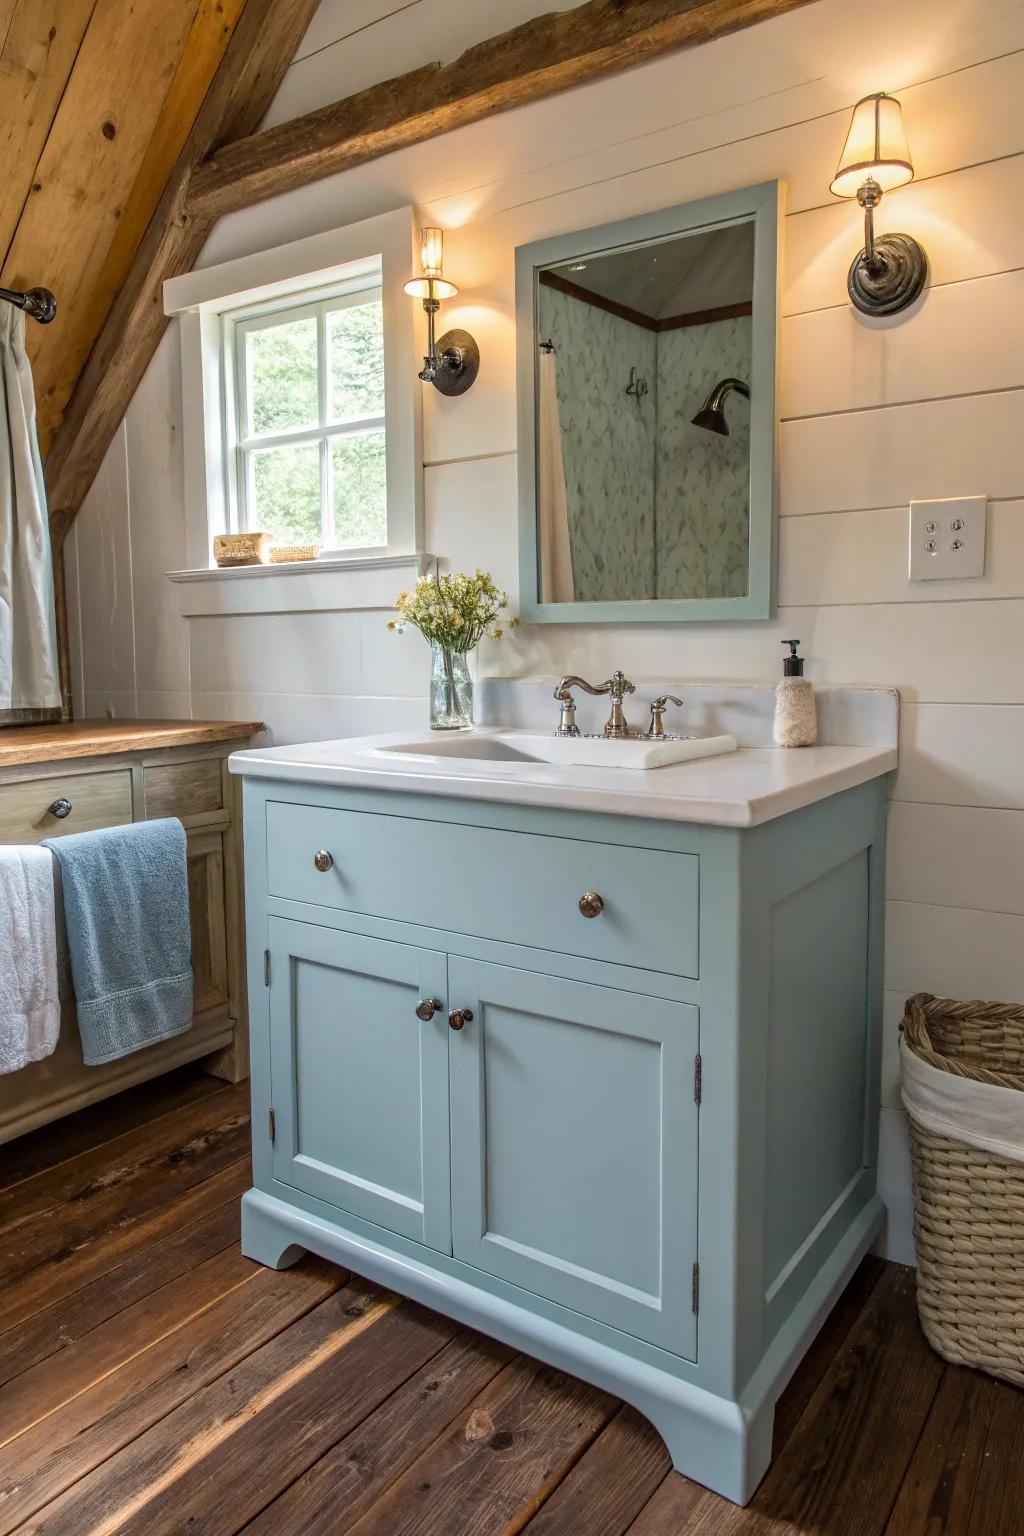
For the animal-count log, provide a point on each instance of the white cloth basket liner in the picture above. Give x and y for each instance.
(983, 1115)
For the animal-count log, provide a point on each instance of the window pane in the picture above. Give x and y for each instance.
(360, 489)
(281, 367)
(355, 339)
(286, 493)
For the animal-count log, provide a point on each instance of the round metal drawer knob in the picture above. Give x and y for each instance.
(460, 1016)
(426, 1009)
(60, 809)
(323, 860)
(591, 904)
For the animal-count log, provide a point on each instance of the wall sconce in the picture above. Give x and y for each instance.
(889, 273)
(453, 362)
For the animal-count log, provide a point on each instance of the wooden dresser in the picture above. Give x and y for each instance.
(57, 779)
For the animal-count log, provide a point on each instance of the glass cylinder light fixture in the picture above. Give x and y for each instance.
(452, 362)
(889, 273)
(431, 252)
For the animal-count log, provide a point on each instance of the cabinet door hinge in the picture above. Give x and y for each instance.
(695, 1293)
(266, 967)
(272, 1124)
(698, 1078)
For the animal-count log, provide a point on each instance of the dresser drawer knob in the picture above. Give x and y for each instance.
(323, 860)
(426, 1009)
(460, 1016)
(591, 904)
(60, 809)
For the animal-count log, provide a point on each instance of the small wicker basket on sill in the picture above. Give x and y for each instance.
(969, 1204)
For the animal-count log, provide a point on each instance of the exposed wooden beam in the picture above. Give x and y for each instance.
(544, 56)
(261, 48)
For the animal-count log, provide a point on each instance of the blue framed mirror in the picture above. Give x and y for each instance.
(647, 356)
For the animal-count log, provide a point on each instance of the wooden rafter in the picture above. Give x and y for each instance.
(226, 165)
(252, 67)
(538, 59)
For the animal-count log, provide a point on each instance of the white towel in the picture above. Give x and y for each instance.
(29, 1001)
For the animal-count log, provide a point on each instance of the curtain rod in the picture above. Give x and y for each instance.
(37, 302)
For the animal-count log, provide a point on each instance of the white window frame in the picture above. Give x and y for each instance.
(379, 252)
(237, 325)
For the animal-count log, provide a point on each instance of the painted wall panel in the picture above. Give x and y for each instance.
(961, 754)
(956, 856)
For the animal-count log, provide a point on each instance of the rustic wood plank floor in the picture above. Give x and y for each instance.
(155, 1383)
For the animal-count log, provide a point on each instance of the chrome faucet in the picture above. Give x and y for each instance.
(618, 685)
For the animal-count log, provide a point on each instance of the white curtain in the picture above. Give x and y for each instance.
(556, 580)
(29, 676)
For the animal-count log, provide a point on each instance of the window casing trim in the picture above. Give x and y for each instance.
(378, 251)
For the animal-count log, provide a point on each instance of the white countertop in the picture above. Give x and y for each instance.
(742, 789)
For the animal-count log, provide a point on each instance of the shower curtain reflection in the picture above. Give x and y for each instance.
(552, 502)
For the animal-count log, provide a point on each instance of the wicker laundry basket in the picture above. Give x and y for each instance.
(969, 1203)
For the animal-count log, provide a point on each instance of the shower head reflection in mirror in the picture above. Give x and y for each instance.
(665, 510)
(711, 415)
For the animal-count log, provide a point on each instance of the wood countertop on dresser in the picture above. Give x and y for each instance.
(57, 742)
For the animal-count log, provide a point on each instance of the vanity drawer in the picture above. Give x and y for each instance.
(184, 790)
(520, 887)
(97, 800)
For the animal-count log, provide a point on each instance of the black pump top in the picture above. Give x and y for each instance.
(793, 666)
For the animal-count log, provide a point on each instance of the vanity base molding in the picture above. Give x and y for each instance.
(724, 1445)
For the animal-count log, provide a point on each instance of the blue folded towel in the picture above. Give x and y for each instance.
(126, 912)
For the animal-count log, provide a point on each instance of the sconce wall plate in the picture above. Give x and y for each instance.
(458, 363)
(893, 280)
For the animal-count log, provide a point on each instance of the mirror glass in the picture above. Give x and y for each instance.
(646, 366)
(643, 420)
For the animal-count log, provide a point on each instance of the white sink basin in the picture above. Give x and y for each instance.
(466, 745)
(635, 752)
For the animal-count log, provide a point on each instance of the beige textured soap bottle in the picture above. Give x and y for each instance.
(796, 713)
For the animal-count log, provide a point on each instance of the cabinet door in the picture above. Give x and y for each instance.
(360, 1083)
(574, 1146)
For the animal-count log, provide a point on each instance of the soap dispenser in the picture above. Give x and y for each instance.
(796, 713)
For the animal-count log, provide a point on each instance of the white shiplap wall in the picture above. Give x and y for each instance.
(930, 403)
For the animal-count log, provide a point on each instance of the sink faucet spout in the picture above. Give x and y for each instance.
(618, 685)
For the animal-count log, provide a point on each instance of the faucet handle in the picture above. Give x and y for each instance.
(618, 685)
(563, 693)
(656, 729)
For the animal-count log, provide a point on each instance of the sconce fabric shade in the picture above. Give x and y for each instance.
(430, 288)
(876, 147)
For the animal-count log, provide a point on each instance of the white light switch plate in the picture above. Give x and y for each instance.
(947, 538)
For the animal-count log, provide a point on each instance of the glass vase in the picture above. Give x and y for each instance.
(451, 689)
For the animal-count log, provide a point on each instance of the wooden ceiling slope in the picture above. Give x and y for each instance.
(97, 97)
(226, 165)
(261, 47)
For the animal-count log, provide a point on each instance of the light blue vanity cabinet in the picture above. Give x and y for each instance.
(639, 1145)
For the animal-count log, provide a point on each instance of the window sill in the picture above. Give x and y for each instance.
(301, 586)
